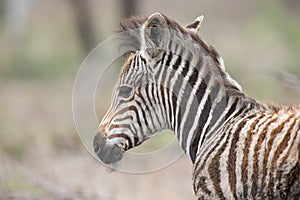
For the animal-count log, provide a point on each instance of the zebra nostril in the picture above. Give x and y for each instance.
(96, 148)
(99, 142)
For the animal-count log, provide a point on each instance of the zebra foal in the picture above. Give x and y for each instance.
(240, 148)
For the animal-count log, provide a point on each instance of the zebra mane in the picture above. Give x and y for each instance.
(129, 35)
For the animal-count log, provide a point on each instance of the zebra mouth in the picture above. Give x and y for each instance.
(107, 153)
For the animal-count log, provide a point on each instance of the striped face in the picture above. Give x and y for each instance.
(132, 117)
(137, 110)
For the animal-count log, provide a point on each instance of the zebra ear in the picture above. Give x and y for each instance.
(195, 26)
(154, 35)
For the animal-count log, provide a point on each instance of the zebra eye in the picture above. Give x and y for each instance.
(125, 91)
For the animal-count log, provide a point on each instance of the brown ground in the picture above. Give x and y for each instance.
(75, 175)
(42, 158)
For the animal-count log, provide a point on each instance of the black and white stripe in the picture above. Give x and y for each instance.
(241, 149)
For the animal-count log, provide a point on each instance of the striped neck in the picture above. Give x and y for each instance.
(199, 96)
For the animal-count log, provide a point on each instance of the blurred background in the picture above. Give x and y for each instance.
(42, 44)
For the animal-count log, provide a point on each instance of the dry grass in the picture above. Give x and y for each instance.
(42, 158)
(75, 175)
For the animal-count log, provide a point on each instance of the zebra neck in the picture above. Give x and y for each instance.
(195, 93)
(213, 118)
(202, 113)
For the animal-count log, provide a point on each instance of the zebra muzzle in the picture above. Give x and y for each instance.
(106, 152)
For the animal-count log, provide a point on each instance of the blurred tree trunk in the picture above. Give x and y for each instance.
(293, 5)
(84, 24)
(129, 8)
(15, 17)
(2, 5)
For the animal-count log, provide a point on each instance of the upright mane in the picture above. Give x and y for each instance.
(129, 35)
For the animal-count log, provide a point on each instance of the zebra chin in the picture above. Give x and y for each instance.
(106, 152)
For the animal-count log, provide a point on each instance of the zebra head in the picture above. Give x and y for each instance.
(138, 108)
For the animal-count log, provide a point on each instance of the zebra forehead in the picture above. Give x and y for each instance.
(127, 64)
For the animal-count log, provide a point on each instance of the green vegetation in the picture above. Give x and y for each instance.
(275, 20)
(22, 186)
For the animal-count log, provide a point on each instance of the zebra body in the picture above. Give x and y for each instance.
(254, 156)
(241, 148)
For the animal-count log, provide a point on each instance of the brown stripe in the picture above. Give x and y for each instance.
(214, 168)
(221, 131)
(122, 111)
(290, 147)
(202, 185)
(124, 126)
(122, 135)
(232, 156)
(273, 135)
(279, 174)
(279, 150)
(289, 151)
(198, 168)
(248, 141)
(261, 139)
